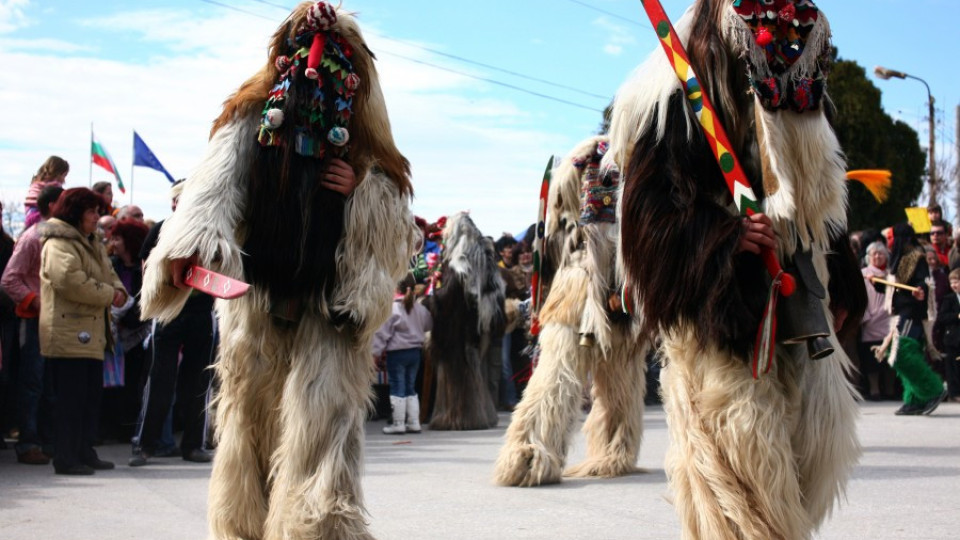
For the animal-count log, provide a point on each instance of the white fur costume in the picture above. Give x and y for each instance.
(293, 397)
(749, 459)
(583, 256)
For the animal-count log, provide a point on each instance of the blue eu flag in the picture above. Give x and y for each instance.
(143, 157)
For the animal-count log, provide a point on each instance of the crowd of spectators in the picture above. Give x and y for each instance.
(78, 366)
(929, 265)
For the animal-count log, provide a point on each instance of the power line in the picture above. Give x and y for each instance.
(214, 2)
(435, 66)
(464, 60)
(499, 83)
(488, 66)
(610, 13)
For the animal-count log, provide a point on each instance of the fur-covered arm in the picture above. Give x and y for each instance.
(679, 242)
(379, 238)
(205, 223)
(848, 293)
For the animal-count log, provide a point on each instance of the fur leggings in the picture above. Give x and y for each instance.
(290, 426)
(538, 438)
(756, 459)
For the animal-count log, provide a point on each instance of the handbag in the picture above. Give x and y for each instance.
(113, 367)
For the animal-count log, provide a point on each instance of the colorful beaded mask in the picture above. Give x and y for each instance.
(598, 190)
(782, 30)
(320, 119)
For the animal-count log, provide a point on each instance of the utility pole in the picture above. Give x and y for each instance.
(956, 174)
(885, 74)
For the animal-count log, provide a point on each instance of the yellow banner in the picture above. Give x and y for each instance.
(919, 218)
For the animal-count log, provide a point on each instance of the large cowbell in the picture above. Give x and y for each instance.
(800, 316)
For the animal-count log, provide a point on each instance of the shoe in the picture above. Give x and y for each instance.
(198, 456)
(74, 470)
(100, 465)
(139, 460)
(398, 427)
(33, 456)
(932, 405)
(910, 410)
(955, 399)
(168, 452)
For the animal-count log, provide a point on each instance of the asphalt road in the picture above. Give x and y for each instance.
(437, 485)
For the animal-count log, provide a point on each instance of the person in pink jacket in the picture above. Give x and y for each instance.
(21, 282)
(402, 337)
(878, 380)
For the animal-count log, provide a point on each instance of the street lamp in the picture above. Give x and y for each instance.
(886, 74)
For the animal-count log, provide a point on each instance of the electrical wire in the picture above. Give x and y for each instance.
(435, 66)
(462, 59)
(609, 13)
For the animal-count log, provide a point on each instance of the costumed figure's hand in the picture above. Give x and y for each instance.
(339, 177)
(757, 234)
(178, 269)
(918, 294)
(839, 318)
(119, 297)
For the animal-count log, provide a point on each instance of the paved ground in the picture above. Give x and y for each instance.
(437, 486)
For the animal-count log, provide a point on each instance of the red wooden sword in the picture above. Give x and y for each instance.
(214, 284)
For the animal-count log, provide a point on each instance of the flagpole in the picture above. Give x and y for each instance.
(133, 160)
(90, 177)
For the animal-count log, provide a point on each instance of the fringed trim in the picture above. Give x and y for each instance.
(802, 85)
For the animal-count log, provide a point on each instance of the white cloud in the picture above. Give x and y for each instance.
(12, 15)
(612, 49)
(616, 35)
(466, 153)
(58, 45)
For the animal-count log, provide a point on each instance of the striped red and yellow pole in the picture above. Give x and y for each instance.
(737, 184)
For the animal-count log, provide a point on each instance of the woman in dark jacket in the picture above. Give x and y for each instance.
(77, 287)
(122, 405)
(922, 387)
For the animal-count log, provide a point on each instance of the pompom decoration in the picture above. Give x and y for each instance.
(282, 63)
(352, 82)
(602, 147)
(788, 13)
(311, 73)
(764, 37)
(273, 119)
(338, 136)
(321, 16)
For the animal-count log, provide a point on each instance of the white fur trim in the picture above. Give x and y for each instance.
(379, 238)
(644, 95)
(806, 158)
(205, 222)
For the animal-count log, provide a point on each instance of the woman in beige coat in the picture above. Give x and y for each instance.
(77, 286)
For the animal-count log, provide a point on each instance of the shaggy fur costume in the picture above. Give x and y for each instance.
(468, 324)
(749, 459)
(581, 257)
(295, 390)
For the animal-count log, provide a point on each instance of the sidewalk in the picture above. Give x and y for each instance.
(437, 485)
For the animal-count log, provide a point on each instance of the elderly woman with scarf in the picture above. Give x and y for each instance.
(878, 381)
(922, 387)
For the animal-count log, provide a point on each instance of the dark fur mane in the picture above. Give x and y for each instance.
(674, 207)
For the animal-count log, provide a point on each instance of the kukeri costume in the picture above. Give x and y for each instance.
(763, 457)
(468, 323)
(581, 336)
(294, 358)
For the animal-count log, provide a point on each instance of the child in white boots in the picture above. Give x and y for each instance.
(402, 337)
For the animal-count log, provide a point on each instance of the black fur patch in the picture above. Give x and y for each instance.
(678, 241)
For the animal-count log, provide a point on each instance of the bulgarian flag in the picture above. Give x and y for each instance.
(100, 157)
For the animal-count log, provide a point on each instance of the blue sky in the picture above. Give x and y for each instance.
(476, 133)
